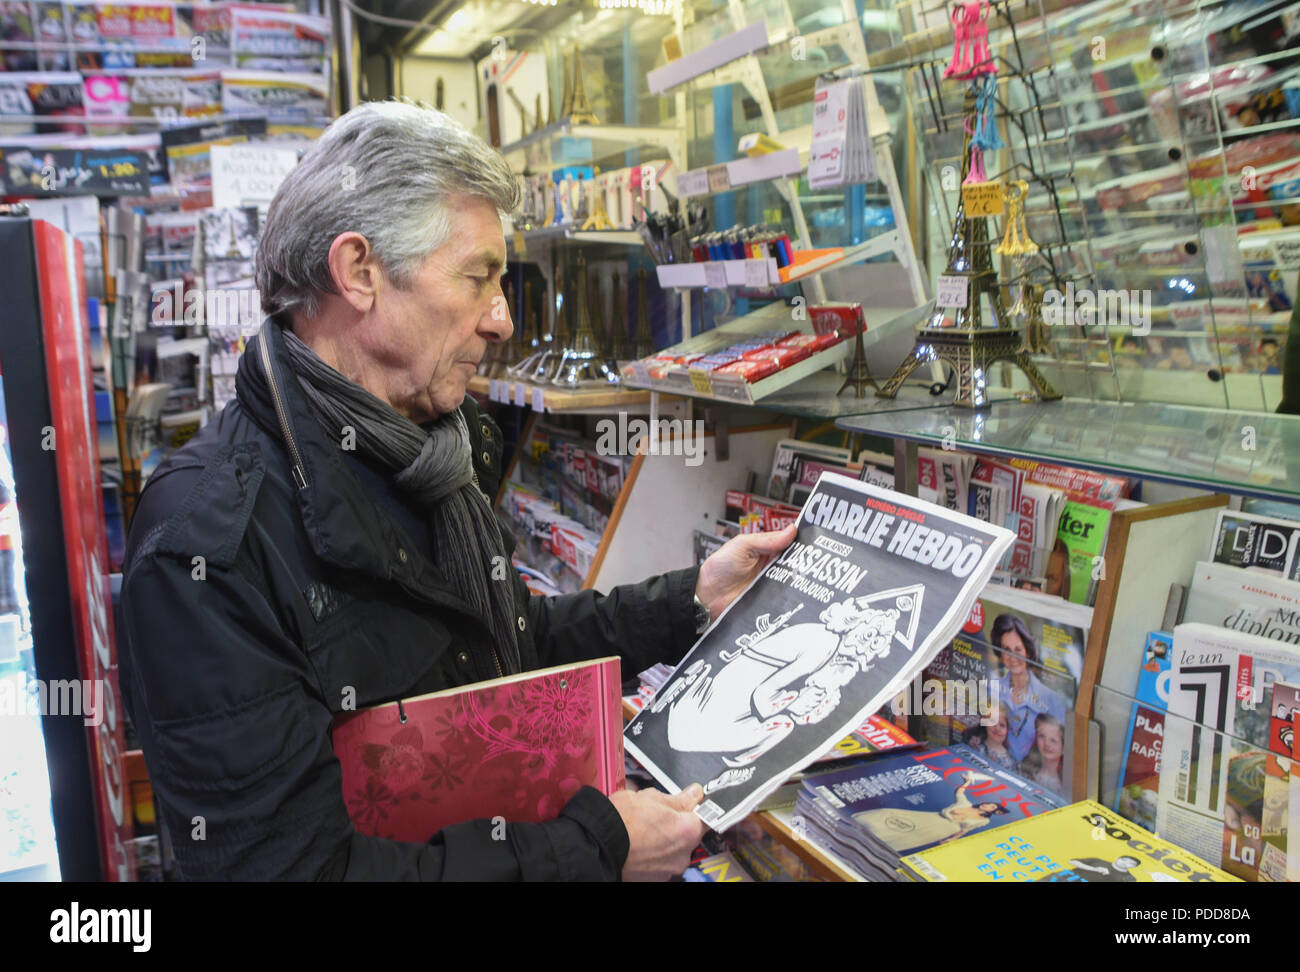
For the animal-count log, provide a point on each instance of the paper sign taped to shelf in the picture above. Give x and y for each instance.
(539, 400)
(80, 172)
(756, 273)
(521, 393)
(693, 183)
(494, 390)
(249, 174)
(640, 373)
(715, 274)
(982, 198)
(719, 180)
(951, 291)
(701, 382)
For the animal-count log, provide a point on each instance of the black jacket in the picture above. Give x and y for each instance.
(259, 587)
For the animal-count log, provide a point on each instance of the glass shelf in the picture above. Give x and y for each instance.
(814, 397)
(564, 143)
(1249, 453)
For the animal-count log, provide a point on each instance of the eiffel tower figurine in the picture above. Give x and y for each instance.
(597, 214)
(566, 99)
(582, 364)
(616, 334)
(967, 345)
(530, 343)
(858, 376)
(579, 112)
(548, 358)
(643, 343)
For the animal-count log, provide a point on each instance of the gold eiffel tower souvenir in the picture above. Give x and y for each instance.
(566, 101)
(597, 214)
(540, 120)
(967, 345)
(643, 344)
(580, 112)
(616, 333)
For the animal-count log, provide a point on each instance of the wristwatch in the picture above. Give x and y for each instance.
(702, 616)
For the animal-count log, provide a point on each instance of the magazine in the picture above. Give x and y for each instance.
(1081, 842)
(1139, 778)
(1259, 543)
(783, 462)
(1008, 681)
(1245, 600)
(1080, 533)
(873, 813)
(1221, 689)
(873, 585)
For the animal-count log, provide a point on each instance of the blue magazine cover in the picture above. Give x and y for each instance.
(1139, 779)
(916, 800)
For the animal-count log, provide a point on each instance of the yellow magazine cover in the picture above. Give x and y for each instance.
(1081, 842)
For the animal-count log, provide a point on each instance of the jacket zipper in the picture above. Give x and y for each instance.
(299, 473)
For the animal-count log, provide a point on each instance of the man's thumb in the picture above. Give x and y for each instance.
(689, 798)
(774, 541)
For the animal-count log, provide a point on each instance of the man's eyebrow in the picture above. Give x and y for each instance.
(491, 263)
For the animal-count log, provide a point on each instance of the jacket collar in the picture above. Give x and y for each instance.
(343, 523)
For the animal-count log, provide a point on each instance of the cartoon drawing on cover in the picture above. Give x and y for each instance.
(783, 675)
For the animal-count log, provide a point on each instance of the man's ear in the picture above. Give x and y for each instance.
(354, 270)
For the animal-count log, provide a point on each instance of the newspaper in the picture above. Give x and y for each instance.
(873, 586)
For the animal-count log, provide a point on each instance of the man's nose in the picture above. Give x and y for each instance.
(498, 325)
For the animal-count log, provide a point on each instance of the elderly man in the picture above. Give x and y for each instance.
(329, 538)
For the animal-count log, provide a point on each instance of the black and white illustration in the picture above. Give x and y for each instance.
(874, 584)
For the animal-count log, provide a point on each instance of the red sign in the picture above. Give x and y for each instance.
(76, 447)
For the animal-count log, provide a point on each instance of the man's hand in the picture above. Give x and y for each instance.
(728, 572)
(662, 830)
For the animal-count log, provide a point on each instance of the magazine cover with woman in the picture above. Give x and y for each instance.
(873, 586)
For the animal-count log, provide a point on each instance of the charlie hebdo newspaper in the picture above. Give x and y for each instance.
(873, 586)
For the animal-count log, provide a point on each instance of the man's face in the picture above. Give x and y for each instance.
(432, 336)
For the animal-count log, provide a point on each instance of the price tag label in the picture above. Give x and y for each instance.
(701, 382)
(693, 183)
(951, 291)
(756, 273)
(521, 393)
(494, 390)
(719, 179)
(715, 274)
(982, 198)
(539, 400)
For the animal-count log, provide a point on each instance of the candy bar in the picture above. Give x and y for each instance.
(749, 370)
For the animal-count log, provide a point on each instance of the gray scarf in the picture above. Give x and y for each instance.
(435, 469)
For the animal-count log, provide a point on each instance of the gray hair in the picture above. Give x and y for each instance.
(384, 170)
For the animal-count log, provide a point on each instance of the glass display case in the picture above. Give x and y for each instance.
(1158, 146)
